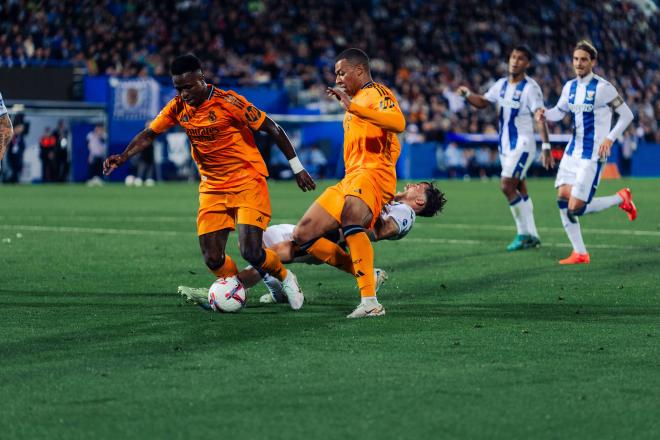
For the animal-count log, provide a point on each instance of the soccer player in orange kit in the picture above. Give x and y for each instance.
(371, 148)
(233, 189)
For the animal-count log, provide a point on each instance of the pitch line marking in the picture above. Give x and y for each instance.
(191, 219)
(138, 232)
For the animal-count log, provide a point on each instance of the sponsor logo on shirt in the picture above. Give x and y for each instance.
(509, 103)
(581, 108)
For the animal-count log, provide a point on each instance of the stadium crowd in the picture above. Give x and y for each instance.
(424, 50)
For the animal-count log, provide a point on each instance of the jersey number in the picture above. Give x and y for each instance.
(252, 114)
(386, 103)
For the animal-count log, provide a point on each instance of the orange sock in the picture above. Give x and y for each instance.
(228, 269)
(273, 265)
(330, 253)
(363, 262)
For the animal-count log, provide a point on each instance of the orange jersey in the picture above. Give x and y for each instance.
(367, 145)
(220, 134)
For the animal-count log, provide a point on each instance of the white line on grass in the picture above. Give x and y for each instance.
(621, 231)
(114, 231)
(545, 244)
(191, 219)
(79, 230)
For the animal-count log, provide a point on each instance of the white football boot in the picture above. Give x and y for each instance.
(292, 291)
(367, 311)
(195, 295)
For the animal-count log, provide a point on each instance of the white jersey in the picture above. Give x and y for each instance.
(587, 100)
(3, 109)
(516, 104)
(403, 215)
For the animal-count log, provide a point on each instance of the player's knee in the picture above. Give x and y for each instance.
(214, 260)
(508, 188)
(252, 254)
(301, 235)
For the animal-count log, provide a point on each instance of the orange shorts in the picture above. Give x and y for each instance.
(222, 210)
(363, 185)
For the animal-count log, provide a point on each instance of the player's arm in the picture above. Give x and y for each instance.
(165, 120)
(6, 133)
(557, 112)
(546, 149)
(536, 104)
(139, 143)
(475, 100)
(389, 117)
(385, 229)
(625, 118)
(305, 181)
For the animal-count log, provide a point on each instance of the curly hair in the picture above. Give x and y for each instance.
(435, 201)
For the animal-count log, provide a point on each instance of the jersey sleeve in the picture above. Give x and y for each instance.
(403, 216)
(166, 119)
(244, 111)
(535, 98)
(382, 110)
(493, 92)
(3, 109)
(608, 93)
(558, 112)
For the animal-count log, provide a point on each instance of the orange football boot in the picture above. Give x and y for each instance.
(628, 205)
(576, 258)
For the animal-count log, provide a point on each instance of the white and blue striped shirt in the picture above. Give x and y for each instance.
(587, 100)
(516, 104)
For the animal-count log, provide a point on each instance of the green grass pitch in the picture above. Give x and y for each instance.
(476, 343)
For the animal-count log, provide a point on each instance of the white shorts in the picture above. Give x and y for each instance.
(516, 163)
(582, 174)
(280, 233)
(277, 234)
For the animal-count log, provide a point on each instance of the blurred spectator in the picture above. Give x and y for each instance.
(279, 165)
(48, 155)
(96, 145)
(142, 167)
(628, 145)
(483, 162)
(412, 134)
(455, 161)
(433, 48)
(62, 152)
(314, 161)
(15, 155)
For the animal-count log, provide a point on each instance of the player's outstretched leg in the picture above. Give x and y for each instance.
(195, 295)
(622, 199)
(522, 236)
(527, 212)
(572, 228)
(627, 203)
(363, 264)
(268, 261)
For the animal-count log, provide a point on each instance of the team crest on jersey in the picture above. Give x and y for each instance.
(516, 94)
(590, 95)
(212, 116)
(185, 118)
(571, 97)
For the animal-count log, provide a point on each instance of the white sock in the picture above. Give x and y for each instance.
(274, 287)
(573, 231)
(527, 210)
(517, 215)
(369, 301)
(602, 203)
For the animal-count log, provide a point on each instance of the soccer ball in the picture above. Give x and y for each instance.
(227, 295)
